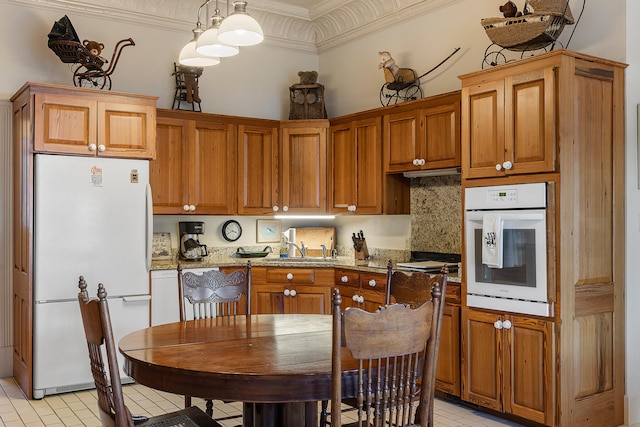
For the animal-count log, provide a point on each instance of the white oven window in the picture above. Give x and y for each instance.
(524, 272)
(519, 259)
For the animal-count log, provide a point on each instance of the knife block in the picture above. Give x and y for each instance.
(363, 253)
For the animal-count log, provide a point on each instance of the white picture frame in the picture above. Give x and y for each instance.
(268, 230)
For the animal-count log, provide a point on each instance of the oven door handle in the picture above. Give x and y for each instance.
(508, 216)
(523, 217)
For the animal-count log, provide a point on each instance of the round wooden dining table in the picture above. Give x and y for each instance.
(278, 364)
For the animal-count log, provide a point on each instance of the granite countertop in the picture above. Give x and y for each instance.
(345, 262)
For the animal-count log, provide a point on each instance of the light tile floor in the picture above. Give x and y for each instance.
(80, 408)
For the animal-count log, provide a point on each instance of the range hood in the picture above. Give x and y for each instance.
(432, 172)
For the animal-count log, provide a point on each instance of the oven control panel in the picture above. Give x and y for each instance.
(513, 196)
(502, 196)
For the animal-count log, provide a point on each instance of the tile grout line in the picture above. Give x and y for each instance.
(80, 408)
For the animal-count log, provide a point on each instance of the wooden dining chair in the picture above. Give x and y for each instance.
(414, 288)
(214, 294)
(395, 346)
(112, 409)
(410, 289)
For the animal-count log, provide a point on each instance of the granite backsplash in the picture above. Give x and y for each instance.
(436, 214)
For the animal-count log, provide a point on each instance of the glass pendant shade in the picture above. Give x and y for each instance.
(208, 43)
(189, 57)
(239, 28)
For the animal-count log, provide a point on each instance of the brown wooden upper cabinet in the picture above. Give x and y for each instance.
(93, 123)
(423, 134)
(194, 169)
(509, 124)
(355, 167)
(303, 167)
(258, 166)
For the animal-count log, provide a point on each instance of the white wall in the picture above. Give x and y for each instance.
(381, 231)
(633, 216)
(353, 80)
(255, 83)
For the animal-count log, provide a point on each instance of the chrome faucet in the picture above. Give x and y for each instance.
(302, 248)
(324, 251)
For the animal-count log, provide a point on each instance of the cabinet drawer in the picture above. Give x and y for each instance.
(453, 294)
(347, 278)
(291, 275)
(373, 282)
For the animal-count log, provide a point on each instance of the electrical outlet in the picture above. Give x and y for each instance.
(134, 176)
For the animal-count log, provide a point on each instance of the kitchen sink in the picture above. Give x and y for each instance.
(301, 260)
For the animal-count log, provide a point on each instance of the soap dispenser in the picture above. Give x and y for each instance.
(284, 247)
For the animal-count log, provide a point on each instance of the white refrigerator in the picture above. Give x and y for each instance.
(93, 217)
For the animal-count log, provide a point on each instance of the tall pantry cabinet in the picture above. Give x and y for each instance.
(556, 118)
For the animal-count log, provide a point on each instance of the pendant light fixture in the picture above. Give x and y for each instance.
(190, 58)
(208, 43)
(188, 55)
(239, 28)
(222, 38)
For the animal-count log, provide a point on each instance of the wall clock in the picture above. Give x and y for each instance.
(231, 230)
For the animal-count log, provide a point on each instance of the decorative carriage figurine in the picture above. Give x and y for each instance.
(64, 42)
(537, 27)
(401, 84)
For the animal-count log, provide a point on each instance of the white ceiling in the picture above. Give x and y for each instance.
(306, 25)
(307, 4)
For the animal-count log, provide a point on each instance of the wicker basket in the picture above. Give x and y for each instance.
(73, 52)
(533, 31)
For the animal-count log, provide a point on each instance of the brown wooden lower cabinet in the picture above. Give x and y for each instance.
(281, 290)
(285, 299)
(448, 368)
(507, 364)
(360, 289)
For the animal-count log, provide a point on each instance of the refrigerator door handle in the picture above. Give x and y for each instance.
(149, 223)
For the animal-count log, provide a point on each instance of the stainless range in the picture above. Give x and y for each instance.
(430, 262)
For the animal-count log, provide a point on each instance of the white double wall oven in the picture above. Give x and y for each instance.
(506, 248)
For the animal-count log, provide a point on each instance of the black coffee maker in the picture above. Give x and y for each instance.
(190, 247)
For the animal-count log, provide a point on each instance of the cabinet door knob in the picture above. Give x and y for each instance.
(361, 299)
(289, 276)
(506, 324)
(192, 208)
(285, 208)
(344, 279)
(498, 167)
(497, 324)
(293, 292)
(276, 209)
(287, 292)
(422, 162)
(185, 208)
(372, 283)
(355, 298)
(101, 148)
(507, 165)
(416, 162)
(92, 147)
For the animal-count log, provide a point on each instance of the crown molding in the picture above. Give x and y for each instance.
(327, 24)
